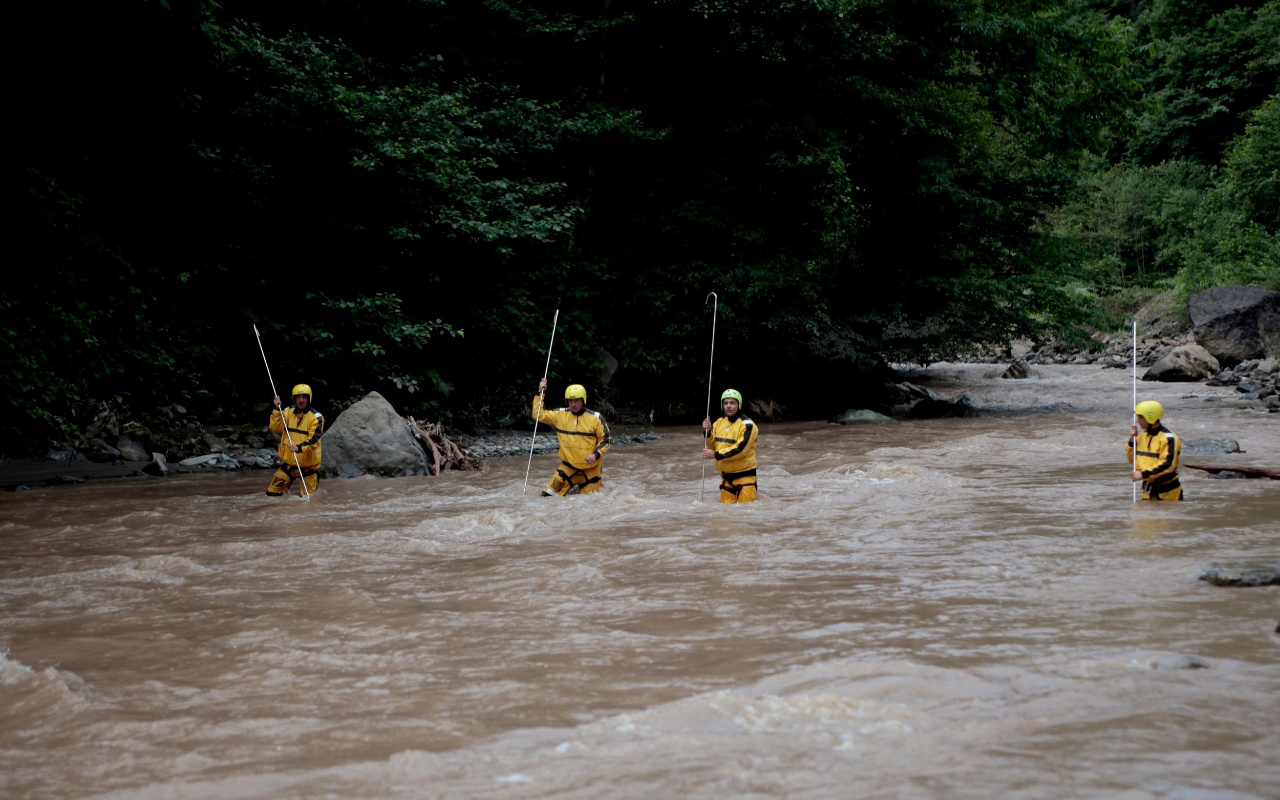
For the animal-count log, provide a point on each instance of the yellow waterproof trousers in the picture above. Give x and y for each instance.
(738, 487)
(286, 475)
(569, 476)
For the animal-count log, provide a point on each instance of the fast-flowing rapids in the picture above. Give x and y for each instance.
(967, 608)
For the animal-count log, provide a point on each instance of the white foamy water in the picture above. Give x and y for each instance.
(940, 609)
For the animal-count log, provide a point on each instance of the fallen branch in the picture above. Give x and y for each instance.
(1252, 472)
(442, 451)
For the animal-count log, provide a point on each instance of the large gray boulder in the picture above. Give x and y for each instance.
(1190, 362)
(370, 438)
(1236, 323)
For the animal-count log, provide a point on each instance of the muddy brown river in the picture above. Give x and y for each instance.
(968, 608)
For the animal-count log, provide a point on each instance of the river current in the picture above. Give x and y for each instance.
(967, 608)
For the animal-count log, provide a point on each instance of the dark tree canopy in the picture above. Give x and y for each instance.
(400, 195)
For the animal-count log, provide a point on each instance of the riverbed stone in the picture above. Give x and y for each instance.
(1019, 370)
(158, 466)
(370, 438)
(1190, 362)
(1236, 323)
(1262, 575)
(1210, 447)
(136, 445)
(199, 461)
(938, 409)
(1181, 662)
(862, 416)
(97, 450)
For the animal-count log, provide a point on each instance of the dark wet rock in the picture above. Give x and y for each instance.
(1181, 662)
(100, 452)
(22, 487)
(608, 365)
(765, 410)
(1268, 575)
(893, 394)
(158, 466)
(919, 392)
(1210, 447)
(1189, 362)
(1236, 323)
(1017, 371)
(136, 444)
(370, 438)
(862, 416)
(60, 480)
(1229, 474)
(939, 409)
(64, 452)
(215, 444)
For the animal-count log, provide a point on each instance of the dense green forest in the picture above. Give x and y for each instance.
(401, 194)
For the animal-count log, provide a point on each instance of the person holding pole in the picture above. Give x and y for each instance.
(731, 443)
(584, 439)
(301, 427)
(1154, 453)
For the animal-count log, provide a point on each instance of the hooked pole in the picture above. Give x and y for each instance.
(715, 309)
(545, 371)
(274, 393)
(1135, 409)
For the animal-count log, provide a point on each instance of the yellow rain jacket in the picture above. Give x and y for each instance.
(580, 435)
(734, 441)
(305, 429)
(1158, 453)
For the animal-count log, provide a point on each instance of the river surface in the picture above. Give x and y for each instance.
(968, 608)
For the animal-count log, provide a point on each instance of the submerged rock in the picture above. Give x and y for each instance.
(936, 409)
(1182, 662)
(1017, 371)
(1242, 576)
(862, 416)
(1210, 447)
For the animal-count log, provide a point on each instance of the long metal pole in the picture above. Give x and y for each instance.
(715, 309)
(1135, 407)
(541, 404)
(274, 393)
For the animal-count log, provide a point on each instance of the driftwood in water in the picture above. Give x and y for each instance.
(1252, 472)
(442, 452)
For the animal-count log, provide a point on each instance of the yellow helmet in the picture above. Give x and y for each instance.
(1150, 410)
(734, 393)
(302, 388)
(576, 391)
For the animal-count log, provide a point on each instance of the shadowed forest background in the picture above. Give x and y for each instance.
(401, 194)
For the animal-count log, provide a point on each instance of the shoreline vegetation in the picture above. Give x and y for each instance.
(219, 448)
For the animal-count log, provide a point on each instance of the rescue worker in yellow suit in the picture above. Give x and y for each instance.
(731, 441)
(584, 439)
(1158, 451)
(300, 427)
